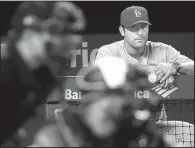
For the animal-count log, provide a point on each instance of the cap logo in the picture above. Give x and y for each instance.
(137, 13)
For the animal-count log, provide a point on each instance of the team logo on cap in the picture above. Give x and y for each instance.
(137, 13)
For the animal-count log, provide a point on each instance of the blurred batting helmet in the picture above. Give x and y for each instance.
(111, 73)
(62, 20)
(114, 75)
(51, 16)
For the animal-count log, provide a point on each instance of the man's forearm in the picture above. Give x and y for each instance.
(187, 68)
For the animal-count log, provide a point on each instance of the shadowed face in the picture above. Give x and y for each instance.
(103, 116)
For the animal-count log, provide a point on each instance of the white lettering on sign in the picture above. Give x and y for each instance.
(142, 94)
(86, 57)
(71, 95)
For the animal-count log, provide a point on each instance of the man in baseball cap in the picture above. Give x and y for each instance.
(162, 59)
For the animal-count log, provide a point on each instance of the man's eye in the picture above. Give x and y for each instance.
(144, 26)
(134, 28)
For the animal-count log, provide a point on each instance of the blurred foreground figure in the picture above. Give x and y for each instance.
(36, 49)
(108, 113)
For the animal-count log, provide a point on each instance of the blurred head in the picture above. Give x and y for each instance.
(48, 29)
(104, 114)
(134, 26)
(104, 75)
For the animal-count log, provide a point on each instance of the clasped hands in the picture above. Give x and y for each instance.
(165, 72)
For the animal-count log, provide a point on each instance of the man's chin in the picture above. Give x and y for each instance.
(139, 44)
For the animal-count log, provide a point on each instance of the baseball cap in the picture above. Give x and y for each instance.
(134, 15)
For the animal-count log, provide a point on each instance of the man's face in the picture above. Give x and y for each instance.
(136, 35)
(103, 116)
(31, 47)
(37, 48)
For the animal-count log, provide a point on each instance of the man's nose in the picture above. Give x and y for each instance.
(140, 31)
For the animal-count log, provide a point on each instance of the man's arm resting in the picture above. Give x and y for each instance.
(187, 68)
(186, 65)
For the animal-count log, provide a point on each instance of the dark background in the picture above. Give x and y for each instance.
(103, 17)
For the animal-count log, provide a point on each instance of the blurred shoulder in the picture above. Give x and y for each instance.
(48, 136)
(4, 48)
(114, 46)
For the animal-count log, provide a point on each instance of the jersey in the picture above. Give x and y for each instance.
(154, 54)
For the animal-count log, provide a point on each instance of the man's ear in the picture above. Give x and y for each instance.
(122, 30)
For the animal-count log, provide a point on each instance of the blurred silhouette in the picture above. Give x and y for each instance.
(35, 50)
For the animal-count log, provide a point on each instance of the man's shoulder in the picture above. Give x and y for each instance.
(114, 46)
(112, 49)
(157, 46)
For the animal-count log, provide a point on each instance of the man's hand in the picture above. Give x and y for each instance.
(168, 82)
(164, 71)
